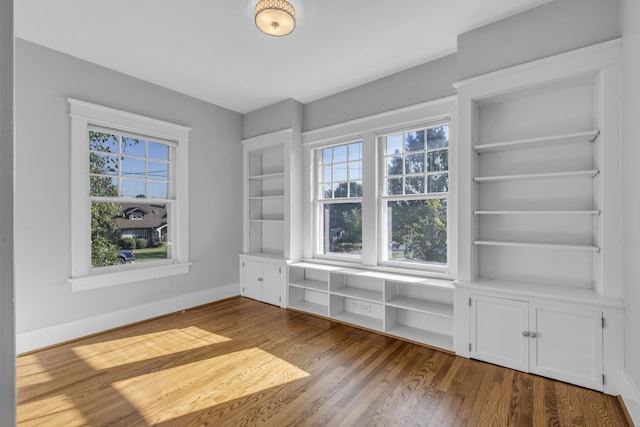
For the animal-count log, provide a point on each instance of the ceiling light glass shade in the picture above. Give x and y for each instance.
(275, 17)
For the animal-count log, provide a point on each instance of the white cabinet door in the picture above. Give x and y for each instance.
(272, 285)
(497, 327)
(251, 279)
(567, 345)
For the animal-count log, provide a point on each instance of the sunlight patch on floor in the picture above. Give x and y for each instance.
(175, 392)
(30, 371)
(109, 354)
(40, 412)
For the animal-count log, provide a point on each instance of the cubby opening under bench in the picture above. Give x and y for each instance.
(413, 308)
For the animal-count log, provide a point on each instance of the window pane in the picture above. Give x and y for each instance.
(414, 163)
(342, 228)
(158, 190)
(103, 186)
(438, 160)
(417, 231)
(134, 147)
(355, 189)
(158, 170)
(394, 165)
(104, 233)
(340, 153)
(340, 190)
(414, 141)
(438, 137)
(158, 151)
(128, 232)
(132, 188)
(326, 156)
(394, 186)
(105, 142)
(326, 174)
(394, 144)
(438, 183)
(327, 191)
(355, 170)
(355, 151)
(104, 164)
(414, 185)
(340, 172)
(133, 167)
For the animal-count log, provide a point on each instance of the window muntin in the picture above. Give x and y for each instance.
(124, 173)
(415, 196)
(339, 198)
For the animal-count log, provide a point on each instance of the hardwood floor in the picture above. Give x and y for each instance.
(240, 362)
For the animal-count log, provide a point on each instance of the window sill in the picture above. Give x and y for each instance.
(114, 278)
(403, 270)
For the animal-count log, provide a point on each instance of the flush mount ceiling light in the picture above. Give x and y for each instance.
(275, 17)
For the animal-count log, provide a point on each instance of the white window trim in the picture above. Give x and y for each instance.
(367, 129)
(84, 114)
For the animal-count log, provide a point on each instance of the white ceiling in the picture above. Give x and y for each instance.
(211, 49)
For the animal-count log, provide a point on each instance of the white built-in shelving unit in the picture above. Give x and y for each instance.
(414, 308)
(539, 149)
(271, 221)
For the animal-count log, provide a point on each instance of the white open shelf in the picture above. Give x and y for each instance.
(422, 336)
(266, 176)
(541, 212)
(311, 284)
(536, 176)
(588, 248)
(428, 307)
(361, 294)
(570, 138)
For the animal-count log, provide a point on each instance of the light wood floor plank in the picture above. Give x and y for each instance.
(239, 362)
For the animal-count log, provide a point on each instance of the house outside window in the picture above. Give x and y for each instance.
(129, 189)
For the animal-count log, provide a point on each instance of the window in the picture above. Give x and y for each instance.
(382, 191)
(129, 191)
(415, 195)
(125, 172)
(339, 199)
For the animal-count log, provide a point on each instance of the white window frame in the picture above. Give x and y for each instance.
(367, 129)
(84, 115)
(320, 201)
(384, 198)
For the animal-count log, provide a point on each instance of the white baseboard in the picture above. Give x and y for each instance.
(631, 397)
(51, 335)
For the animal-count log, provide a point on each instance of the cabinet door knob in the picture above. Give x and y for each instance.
(525, 333)
(260, 279)
(532, 334)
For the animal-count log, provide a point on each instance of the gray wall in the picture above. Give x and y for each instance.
(44, 79)
(425, 82)
(631, 195)
(7, 316)
(283, 115)
(550, 29)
